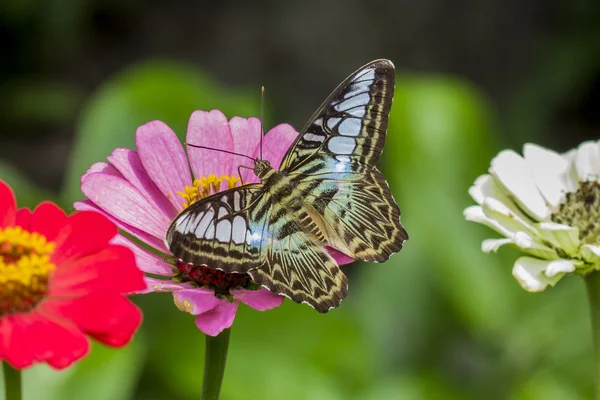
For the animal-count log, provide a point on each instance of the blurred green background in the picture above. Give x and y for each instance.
(440, 320)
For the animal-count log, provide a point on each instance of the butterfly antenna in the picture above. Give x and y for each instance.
(221, 150)
(262, 117)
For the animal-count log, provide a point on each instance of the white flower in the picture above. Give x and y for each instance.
(547, 205)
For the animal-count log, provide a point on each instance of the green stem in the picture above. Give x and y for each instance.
(592, 284)
(12, 382)
(214, 364)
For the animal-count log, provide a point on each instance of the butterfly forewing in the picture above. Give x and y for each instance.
(223, 231)
(352, 122)
(343, 191)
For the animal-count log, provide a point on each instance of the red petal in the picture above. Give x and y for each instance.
(35, 337)
(59, 344)
(24, 218)
(48, 219)
(85, 233)
(111, 319)
(111, 270)
(8, 205)
(16, 342)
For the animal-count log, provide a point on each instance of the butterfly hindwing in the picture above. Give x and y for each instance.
(352, 122)
(357, 212)
(223, 231)
(299, 267)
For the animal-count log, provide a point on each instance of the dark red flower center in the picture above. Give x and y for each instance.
(203, 276)
(24, 269)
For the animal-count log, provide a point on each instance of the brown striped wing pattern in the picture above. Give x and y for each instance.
(327, 192)
(224, 231)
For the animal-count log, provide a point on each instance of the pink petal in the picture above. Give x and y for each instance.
(121, 199)
(162, 285)
(164, 160)
(157, 243)
(276, 143)
(196, 301)
(129, 164)
(246, 139)
(339, 257)
(219, 318)
(101, 167)
(261, 299)
(145, 260)
(210, 129)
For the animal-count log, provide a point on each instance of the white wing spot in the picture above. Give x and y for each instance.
(341, 145)
(365, 74)
(332, 122)
(357, 101)
(313, 138)
(203, 223)
(210, 231)
(343, 163)
(224, 231)
(350, 127)
(180, 222)
(222, 212)
(358, 112)
(238, 233)
(236, 201)
(252, 237)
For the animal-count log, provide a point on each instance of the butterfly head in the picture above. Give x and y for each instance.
(262, 169)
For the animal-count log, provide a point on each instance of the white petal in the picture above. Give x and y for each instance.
(562, 236)
(487, 187)
(533, 246)
(489, 245)
(529, 272)
(550, 172)
(559, 267)
(477, 191)
(587, 161)
(513, 172)
(475, 214)
(591, 253)
(572, 180)
(506, 216)
(570, 155)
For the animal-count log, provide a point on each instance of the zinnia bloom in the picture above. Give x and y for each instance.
(547, 205)
(60, 280)
(143, 191)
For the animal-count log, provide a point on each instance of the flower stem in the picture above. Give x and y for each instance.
(592, 284)
(12, 382)
(214, 364)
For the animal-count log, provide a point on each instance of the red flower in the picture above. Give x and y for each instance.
(61, 280)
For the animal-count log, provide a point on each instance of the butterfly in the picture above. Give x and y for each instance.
(327, 192)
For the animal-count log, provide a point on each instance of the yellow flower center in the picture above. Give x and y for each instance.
(24, 269)
(205, 186)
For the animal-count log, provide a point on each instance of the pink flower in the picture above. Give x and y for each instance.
(143, 191)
